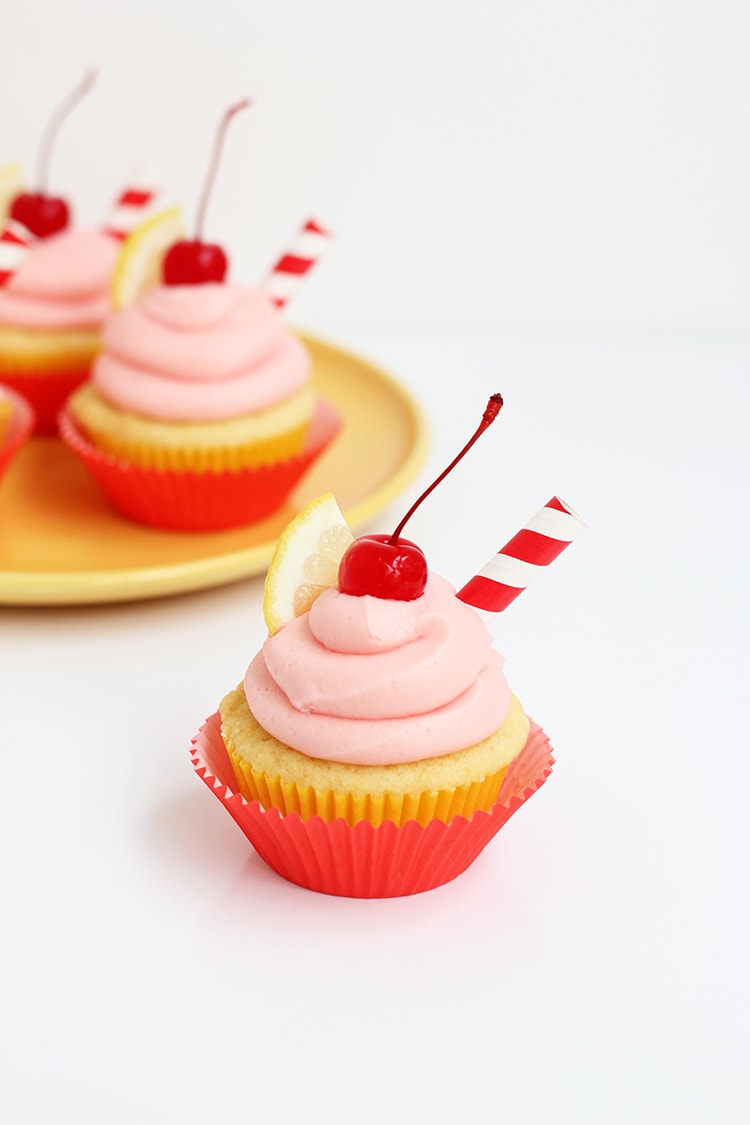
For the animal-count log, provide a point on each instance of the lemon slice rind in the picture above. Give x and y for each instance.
(138, 266)
(305, 561)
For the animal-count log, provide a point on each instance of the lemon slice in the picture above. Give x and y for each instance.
(305, 561)
(138, 267)
(11, 185)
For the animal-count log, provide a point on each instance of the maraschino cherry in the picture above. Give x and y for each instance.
(39, 212)
(387, 566)
(193, 261)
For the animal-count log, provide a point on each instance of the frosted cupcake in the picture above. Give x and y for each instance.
(374, 745)
(201, 412)
(198, 378)
(55, 289)
(51, 312)
(369, 708)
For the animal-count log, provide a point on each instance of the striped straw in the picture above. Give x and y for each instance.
(16, 241)
(292, 268)
(519, 562)
(129, 210)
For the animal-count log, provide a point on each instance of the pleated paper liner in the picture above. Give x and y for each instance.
(210, 501)
(364, 861)
(46, 392)
(201, 459)
(287, 797)
(19, 428)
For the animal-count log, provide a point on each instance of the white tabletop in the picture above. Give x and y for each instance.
(590, 967)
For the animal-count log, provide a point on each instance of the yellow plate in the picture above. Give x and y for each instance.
(61, 543)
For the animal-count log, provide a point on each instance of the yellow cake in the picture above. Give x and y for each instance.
(243, 442)
(442, 787)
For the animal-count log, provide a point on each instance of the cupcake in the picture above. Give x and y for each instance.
(55, 284)
(200, 413)
(51, 312)
(369, 708)
(374, 745)
(16, 424)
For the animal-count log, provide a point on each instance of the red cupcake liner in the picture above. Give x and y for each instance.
(362, 861)
(190, 501)
(19, 428)
(47, 393)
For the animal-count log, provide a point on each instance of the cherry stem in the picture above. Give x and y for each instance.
(53, 126)
(491, 412)
(214, 164)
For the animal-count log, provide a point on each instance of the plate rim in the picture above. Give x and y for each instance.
(140, 583)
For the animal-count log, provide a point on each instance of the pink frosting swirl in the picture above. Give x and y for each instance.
(371, 682)
(199, 353)
(63, 283)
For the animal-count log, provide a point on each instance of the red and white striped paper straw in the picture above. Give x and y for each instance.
(521, 560)
(16, 241)
(293, 266)
(129, 210)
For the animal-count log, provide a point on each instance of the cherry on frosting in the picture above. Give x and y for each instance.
(383, 567)
(42, 214)
(39, 212)
(193, 261)
(387, 566)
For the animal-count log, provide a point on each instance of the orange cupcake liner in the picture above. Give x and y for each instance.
(46, 392)
(19, 429)
(193, 501)
(287, 797)
(363, 861)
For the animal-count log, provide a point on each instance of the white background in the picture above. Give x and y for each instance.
(530, 164)
(549, 200)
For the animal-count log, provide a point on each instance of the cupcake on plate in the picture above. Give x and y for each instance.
(51, 312)
(374, 746)
(55, 283)
(200, 413)
(16, 424)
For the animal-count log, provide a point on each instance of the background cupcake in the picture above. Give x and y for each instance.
(51, 312)
(55, 282)
(201, 412)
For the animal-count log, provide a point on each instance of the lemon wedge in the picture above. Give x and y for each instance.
(305, 561)
(138, 267)
(11, 185)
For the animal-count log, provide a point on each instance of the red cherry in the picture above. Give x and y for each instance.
(39, 212)
(375, 565)
(42, 214)
(194, 262)
(386, 566)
